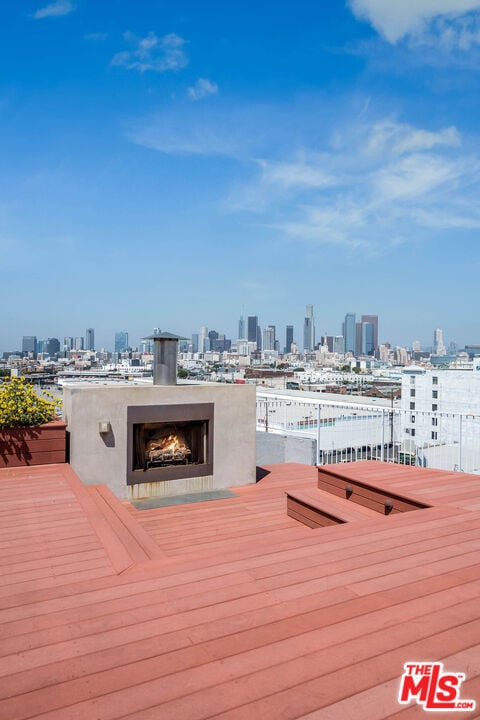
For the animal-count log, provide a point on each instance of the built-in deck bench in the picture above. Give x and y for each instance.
(316, 508)
(375, 497)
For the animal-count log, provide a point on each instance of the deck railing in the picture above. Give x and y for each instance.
(348, 431)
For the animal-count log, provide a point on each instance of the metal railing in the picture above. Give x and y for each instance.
(347, 431)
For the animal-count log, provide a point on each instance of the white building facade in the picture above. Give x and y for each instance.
(441, 416)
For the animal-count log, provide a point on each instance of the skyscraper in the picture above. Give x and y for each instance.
(438, 346)
(368, 334)
(241, 328)
(288, 338)
(349, 332)
(212, 337)
(373, 319)
(252, 326)
(358, 339)
(269, 338)
(121, 341)
(309, 329)
(339, 344)
(53, 346)
(29, 344)
(79, 343)
(259, 337)
(90, 339)
(203, 341)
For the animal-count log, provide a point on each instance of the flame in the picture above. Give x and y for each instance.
(171, 444)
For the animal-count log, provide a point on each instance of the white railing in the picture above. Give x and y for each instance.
(348, 431)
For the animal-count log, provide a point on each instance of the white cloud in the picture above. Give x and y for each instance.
(399, 139)
(153, 53)
(174, 135)
(379, 185)
(55, 9)
(302, 173)
(395, 19)
(460, 34)
(369, 184)
(205, 129)
(414, 177)
(202, 89)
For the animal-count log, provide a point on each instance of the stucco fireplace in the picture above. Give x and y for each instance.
(227, 432)
(145, 440)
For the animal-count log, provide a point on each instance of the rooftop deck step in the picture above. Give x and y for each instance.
(316, 508)
(372, 495)
(137, 545)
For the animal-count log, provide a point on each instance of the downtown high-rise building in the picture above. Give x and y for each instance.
(52, 346)
(89, 339)
(373, 319)
(241, 328)
(368, 334)
(221, 344)
(339, 344)
(309, 329)
(358, 339)
(288, 338)
(438, 347)
(29, 345)
(79, 343)
(269, 338)
(254, 332)
(203, 340)
(349, 332)
(252, 327)
(212, 338)
(121, 341)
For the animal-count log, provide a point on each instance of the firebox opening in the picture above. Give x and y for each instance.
(170, 444)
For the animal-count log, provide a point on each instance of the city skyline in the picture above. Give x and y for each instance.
(159, 169)
(120, 340)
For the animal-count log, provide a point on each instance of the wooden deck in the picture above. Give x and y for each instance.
(230, 609)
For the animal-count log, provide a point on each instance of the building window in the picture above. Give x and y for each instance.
(412, 418)
(412, 380)
(435, 380)
(412, 431)
(434, 408)
(434, 435)
(434, 394)
(412, 393)
(412, 406)
(434, 422)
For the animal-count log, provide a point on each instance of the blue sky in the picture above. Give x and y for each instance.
(168, 163)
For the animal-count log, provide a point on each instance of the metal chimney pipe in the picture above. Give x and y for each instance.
(165, 351)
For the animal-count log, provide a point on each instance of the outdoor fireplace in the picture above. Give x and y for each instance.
(162, 439)
(169, 442)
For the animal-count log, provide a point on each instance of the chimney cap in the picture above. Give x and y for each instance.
(164, 336)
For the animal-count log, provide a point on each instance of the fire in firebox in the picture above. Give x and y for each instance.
(170, 442)
(167, 449)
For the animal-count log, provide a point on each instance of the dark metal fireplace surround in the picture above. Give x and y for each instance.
(169, 442)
